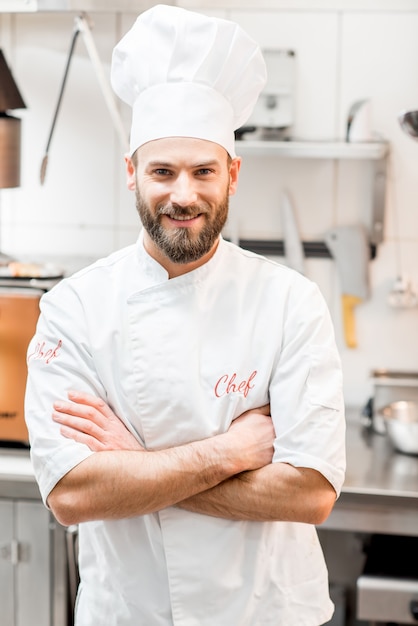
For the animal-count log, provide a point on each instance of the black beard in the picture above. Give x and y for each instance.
(181, 245)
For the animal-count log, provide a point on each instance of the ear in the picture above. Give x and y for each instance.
(130, 173)
(234, 169)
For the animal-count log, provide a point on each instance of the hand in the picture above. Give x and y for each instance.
(254, 433)
(89, 420)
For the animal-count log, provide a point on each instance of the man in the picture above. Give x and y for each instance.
(197, 430)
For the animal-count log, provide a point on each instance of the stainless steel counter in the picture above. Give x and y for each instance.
(380, 493)
(16, 475)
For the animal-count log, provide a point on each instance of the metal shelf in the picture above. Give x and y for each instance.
(376, 152)
(373, 151)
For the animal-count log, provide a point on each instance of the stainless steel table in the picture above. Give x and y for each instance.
(380, 494)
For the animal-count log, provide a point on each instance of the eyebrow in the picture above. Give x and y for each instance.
(167, 164)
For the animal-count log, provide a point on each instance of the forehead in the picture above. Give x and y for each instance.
(180, 150)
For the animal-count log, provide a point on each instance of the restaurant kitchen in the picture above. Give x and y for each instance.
(342, 57)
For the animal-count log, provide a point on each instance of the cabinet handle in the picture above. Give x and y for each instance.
(10, 552)
(413, 605)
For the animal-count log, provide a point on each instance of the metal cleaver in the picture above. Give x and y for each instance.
(293, 246)
(350, 249)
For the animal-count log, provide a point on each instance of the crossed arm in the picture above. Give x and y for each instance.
(229, 475)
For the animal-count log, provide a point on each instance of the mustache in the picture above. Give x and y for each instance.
(176, 210)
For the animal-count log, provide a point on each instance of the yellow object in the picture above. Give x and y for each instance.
(349, 302)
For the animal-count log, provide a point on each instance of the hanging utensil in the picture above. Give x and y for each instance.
(409, 123)
(349, 247)
(293, 247)
(108, 95)
(44, 163)
(82, 26)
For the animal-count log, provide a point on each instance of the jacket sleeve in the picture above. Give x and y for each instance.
(306, 393)
(58, 359)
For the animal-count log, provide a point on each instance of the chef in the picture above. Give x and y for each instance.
(184, 397)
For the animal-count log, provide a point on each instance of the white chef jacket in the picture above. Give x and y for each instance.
(178, 360)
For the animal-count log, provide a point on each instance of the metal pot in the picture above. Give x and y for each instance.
(402, 425)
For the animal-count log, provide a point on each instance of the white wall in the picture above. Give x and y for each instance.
(346, 51)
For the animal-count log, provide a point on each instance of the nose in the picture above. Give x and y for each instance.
(184, 190)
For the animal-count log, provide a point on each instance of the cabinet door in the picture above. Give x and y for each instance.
(33, 579)
(6, 563)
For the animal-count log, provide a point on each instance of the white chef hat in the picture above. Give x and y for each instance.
(187, 75)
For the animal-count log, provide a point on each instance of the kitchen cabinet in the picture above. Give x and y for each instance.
(24, 562)
(378, 505)
(380, 492)
(373, 152)
(33, 577)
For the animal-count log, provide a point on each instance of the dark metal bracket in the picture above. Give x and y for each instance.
(312, 249)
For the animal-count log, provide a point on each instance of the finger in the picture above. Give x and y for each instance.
(79, 437)
(83, 411)
(87, 399)
(97, 438)
(82, 398)
(79, 424)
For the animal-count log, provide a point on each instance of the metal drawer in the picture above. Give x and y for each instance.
(387, 591)
(384, 599)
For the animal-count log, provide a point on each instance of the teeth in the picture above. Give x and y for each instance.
(183, 218)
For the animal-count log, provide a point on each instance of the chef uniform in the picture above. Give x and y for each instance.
(179, 359)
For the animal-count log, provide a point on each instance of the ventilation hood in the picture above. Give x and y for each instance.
(33, 6)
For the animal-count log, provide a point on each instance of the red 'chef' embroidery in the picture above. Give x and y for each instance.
(228, 384)
(43, 354)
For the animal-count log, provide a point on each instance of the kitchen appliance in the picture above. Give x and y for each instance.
(389, 386)
(274, 108)
(401, 420)
(387, 590)
(19, 312)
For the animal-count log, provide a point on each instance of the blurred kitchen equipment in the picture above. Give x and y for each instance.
(10, 128)
(82, 26)
(61, 93)
(19, 312)
(389, 386)
(350, 249)
(359, 122)
(401, 419)
(21, 288)
(409, 123)
(403, 294)
(293, 247)
(72, 542)
(274, 108)
(387, 590)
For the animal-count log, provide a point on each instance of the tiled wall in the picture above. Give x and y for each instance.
(345, 51)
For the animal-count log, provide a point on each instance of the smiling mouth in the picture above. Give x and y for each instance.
(184, 218)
